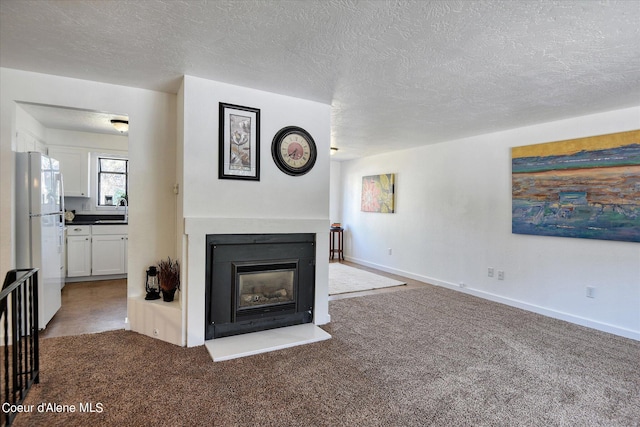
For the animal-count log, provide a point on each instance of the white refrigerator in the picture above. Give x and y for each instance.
(40, 227)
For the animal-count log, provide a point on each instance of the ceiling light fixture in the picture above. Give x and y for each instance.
(121, 125)
(334, 150)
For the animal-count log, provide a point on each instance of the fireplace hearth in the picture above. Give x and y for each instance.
(256, 282)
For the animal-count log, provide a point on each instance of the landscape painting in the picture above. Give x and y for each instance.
(378, 193)
(585, 188)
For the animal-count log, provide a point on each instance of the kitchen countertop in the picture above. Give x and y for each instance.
(97, 220)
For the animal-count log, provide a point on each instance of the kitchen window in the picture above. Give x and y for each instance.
(113, 180)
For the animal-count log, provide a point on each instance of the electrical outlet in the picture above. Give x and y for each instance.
(591, 292)
(462, 285)
(490, 271)
(389, 251)
(500, 275)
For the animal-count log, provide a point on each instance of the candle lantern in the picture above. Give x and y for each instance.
(152, 284)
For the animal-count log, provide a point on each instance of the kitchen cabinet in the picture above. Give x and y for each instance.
(78, 251)
(107, 255)
(97, 250)
(109, 250)
(74, 165)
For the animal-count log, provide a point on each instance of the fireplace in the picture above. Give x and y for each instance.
(256, 282)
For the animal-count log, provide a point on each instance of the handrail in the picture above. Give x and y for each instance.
(19, 320)
(11, 280)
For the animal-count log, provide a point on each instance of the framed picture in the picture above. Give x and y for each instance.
(378, 193)
(585, 188)
(239, 142)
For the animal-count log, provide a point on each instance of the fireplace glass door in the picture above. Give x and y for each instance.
(262, 288)
(265, 287)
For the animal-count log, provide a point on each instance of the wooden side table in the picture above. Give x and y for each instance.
(333, 249)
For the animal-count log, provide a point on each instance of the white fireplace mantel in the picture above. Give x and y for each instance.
(198, 225)
(197, 228)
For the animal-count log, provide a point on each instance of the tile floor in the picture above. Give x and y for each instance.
(89, 307)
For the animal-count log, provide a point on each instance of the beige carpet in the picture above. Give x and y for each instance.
(417, 357)
(344, 279)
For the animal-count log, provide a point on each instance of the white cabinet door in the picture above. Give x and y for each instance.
(74, 165)
(78, 256)
(108, 254)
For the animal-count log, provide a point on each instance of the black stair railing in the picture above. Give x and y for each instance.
(20, 367)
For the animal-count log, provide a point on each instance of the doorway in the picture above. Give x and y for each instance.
(88, 306)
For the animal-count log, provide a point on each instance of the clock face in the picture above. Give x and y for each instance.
(294, 150)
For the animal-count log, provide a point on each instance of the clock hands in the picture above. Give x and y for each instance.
(295, 151)
(294, 154)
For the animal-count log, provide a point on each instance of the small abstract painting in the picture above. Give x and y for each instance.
(585, 188)
(378, 192)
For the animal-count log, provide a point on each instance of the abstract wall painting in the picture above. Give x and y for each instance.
(378, 193)
(584, 188)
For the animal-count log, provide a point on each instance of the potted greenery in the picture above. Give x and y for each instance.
(169, 277)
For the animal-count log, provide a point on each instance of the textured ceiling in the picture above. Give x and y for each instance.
(398, 74)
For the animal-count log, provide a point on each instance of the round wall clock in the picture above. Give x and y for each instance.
(293, 150)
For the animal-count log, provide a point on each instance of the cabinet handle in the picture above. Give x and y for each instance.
(77, 229)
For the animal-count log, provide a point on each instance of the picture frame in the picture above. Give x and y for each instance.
(238, 142)
(580, 188)
(378, 193)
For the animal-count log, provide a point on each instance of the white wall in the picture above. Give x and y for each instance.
(277, 203)
(26, 123)
(335, 191)
(93, 141)
(152, 148)
(276, 194)
(453, 221)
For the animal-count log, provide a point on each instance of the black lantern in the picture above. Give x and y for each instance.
(152, 284)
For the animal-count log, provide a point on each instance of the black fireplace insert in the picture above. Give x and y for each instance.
(256, 282)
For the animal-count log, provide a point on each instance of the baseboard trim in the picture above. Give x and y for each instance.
(94, 278)
(567, 317)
